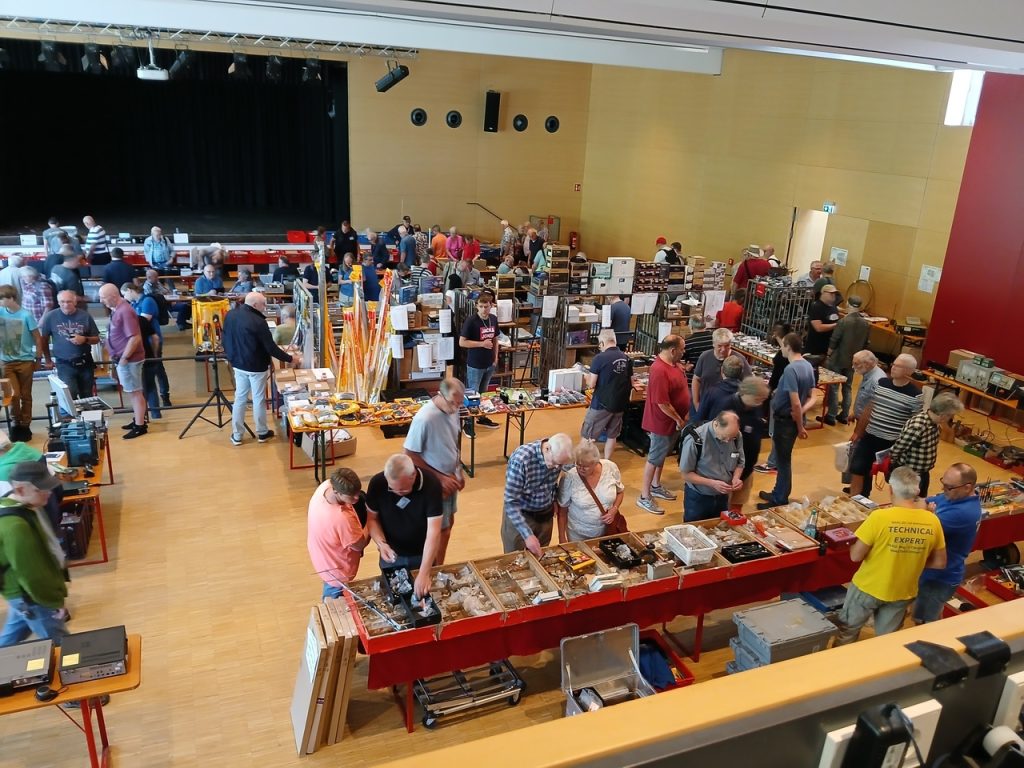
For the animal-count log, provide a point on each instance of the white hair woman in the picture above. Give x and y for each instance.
(589, 496)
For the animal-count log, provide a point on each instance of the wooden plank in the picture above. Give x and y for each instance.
(346, 673)
(335, 607)
(307, 681)
(324, 703)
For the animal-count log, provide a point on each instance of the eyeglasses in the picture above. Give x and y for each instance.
(947, 487)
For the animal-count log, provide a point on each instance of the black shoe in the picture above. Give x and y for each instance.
(135, 431)
(20, 434)
(830, 420)
(764, 495)
(264, 436)
(131, 424)
(843, 420)
(468, 429)
(167, 401)
(483, 421)
(766, 505)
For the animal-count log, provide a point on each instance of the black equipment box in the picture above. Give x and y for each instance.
(81, 443)
(94, 655)
(75, 530)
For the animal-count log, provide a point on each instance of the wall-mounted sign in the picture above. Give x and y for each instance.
(829, 207)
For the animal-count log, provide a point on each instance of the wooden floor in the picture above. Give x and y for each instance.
(209, 564)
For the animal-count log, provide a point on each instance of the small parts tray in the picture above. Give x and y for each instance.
(398, 584)
(572, 567)
(622, 552)
(463, 691)
(520, 585)
(690, 544)
(780, 535)
(744, 552)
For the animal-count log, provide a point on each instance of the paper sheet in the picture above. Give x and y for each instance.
(396, 341)
(713, 303)
(446, 348)
(606, 316)
(550, 307)
(664, 329)
(424, 355)
(444, 321)
(400, 318)
(929, 278)
(636, 306)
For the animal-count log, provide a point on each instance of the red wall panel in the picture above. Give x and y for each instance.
(980, 301)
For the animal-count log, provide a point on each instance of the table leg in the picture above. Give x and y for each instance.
(522, 428)
(405, 704)
(90, 740)
(698, 637)
(508, 420)
(103, 532)
(101, 724)
(110, 464)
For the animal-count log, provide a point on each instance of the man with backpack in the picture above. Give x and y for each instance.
(711, 461)
(32, 564)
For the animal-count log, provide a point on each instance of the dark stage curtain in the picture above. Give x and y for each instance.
(91, 143)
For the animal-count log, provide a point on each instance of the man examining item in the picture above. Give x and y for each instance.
(20, 347)
(917, 446)
(896, 399)
(665, 410)
(32, 565)
(822, 319)
(124, 343)
(708, 370)
(479, 337)
(249, 346)
(959, 511)
(335, 535)
(531, 487)
(403, 517)
(73, 332)
(433, 444)
(849, 337)
(711, 461)
(894, 545)
(792, 399)
(611, 379)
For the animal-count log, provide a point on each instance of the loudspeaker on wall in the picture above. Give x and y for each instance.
(492, 106)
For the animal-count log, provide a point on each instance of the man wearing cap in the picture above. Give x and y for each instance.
(753, 266)
(849, 337)
(662, 255)
(822, 319)
(32, 563)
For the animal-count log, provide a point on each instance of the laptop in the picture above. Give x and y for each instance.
(26, 665)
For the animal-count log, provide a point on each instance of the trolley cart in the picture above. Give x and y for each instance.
(467, 690)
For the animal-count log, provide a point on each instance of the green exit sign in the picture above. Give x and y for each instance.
(829, 207)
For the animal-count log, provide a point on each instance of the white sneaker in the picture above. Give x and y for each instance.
(649, 505)
(659, 492)
(236, 440)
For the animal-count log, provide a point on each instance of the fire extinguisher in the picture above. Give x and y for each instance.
(574, 241)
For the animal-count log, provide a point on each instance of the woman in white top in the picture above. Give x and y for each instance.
(579, 516)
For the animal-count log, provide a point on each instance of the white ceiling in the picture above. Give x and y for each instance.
(665, 34)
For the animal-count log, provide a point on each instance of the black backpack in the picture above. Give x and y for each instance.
(690, 430)
(163, 309)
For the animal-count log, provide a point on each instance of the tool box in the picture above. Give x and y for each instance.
(602, 669)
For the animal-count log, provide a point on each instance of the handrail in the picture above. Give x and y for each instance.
(479, 205)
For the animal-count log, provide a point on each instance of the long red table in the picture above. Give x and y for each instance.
(403, 657)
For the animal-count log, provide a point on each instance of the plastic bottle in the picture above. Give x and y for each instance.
(811, 527)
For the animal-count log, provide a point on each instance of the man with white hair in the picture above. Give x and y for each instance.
(406, 246)
(455, 244)
(11, 274)
(97, 243)
(531, 483)
(73, 332)
(249, 346)
(404, 516)
(509, 239)
(611, 379)
(866, 364)
(894, 546)
(708, 370)
(896, 399)
(808, 279)
(434, 446)
(158, 250)
(124, 342)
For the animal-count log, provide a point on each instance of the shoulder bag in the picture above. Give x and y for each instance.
(618, 525)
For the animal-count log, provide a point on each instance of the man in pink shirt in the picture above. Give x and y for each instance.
(124, 342)
(336, 535)
(455, 244)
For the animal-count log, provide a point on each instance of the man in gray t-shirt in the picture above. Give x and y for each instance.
(433, 445)
(73, 332)
(716, 473)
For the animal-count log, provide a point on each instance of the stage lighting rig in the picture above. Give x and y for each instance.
(396, 74)
(274, 68)
(51, 59)
(239, 67)
(182, 65)
(93, 61)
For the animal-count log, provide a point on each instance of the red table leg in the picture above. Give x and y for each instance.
(405, 704)
(110, 465)
(90, 740)
(101, 724)
(698, 637)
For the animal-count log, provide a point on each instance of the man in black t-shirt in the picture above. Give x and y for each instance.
(822, 320)
(479, 337)
(285, 270)
(611, 377)
(403, 517)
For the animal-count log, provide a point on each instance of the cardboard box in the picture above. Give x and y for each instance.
(955, 357)
(622, 266)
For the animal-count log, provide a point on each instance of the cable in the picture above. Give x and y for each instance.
(913, 740)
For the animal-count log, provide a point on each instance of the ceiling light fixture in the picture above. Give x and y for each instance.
(311, 70)
(182, 65)
(274, 69)
(396, 74)
(94, 62)
(239, 67)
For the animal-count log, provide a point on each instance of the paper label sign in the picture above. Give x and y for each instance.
(34, 665)
(70, 660)
(549, 307)
(606, 316)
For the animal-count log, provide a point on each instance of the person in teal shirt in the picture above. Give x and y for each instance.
(14, 453)
(20, 344)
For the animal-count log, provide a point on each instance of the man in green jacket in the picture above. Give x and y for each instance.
(31, 559)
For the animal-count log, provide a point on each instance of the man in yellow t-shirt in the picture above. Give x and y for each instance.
(893, 546)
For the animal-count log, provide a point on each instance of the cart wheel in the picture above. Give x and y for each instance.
(997, 557)
(496, 669)
(429, 721)
(514, 699)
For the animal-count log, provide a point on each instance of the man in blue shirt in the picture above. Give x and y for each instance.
(371, 283)
(531, 480)
(620, 319)
(158, 250)
(210, 282)
(406, 246)
(959, 510)
(790, 402)
(611, 378)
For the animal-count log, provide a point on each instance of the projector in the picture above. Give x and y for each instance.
(151, 73)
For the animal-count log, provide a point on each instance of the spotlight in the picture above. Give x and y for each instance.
(273, 70)
(395, 75)
(52, 59)
(239, 67)
(94, 62)
(182, 65)
(123, 57)
(311, 70)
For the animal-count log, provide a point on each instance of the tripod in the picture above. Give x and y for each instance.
(218, 398)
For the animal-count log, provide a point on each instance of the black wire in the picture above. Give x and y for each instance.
(910, 726)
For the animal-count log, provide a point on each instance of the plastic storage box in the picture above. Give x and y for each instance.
(783, 630)
(744, 657)
(690, 555)
(605, 663)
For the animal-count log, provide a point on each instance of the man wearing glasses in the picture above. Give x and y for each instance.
(958, 508)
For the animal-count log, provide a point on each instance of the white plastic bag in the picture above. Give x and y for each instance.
(842, 455)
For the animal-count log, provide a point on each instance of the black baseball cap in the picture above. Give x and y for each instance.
(34, 473)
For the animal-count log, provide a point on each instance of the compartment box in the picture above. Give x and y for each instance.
(622, 266)
(571, 567)
(605, 663)
(783, 630)
(636, 577)
(680, 672)
(689, 544)
(516, 580)
(463, 616)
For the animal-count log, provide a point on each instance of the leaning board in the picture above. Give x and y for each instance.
(307, 682)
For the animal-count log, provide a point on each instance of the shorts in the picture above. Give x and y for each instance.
(130, 376)
(448, 511)
(660, 447)
(864, 450)
(599, 422)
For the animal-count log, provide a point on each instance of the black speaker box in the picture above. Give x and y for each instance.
(491, 108)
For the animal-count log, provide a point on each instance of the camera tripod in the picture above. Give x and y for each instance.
(216, 399)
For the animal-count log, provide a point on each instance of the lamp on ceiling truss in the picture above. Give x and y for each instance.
(396, 74)
(123, 57)
(93, 61)
(239, 67)
(51, 59)
(182, 64)
(274, 69)
(311, 70)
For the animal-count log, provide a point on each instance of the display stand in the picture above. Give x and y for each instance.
(216, 399)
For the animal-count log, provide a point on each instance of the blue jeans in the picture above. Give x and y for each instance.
(771, 461)
(931, 596)
(256, 383)
(834, 409)
(478, 378)
(331, 591)
(699, 506)
(412, 562)
(25, 618)
(783, 441)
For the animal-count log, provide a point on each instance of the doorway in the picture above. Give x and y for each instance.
(807, 240)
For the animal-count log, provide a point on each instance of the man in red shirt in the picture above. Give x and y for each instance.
(753, 265)
(731, 313)
(668, 402)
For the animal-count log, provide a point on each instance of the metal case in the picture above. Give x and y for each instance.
(605, 661)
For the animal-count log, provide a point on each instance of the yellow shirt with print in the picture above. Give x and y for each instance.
(901, 542)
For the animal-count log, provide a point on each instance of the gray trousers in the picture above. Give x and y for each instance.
(860, 606)
(512, 540)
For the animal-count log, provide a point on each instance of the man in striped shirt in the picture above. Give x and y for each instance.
(530, 483)
(97, 244)
(896, 399)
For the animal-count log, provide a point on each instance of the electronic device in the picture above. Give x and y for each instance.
(81, 443)
(25, 665)
(975, 375)
(912, 326)
(75, 408)
(881, 738)
(1002, 385)
(94, 655)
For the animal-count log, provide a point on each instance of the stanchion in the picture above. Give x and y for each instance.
(217, 399)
